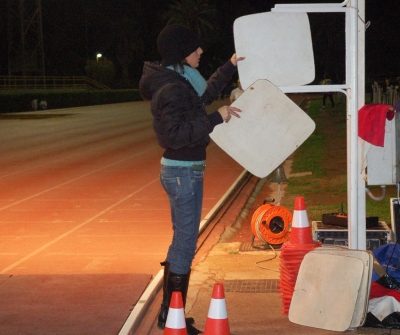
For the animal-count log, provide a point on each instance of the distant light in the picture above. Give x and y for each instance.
(97, 57)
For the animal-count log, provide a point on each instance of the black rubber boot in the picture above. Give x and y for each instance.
(175, 282)
(180, 283)
(172, 282)
(191, 330)
(162, 316)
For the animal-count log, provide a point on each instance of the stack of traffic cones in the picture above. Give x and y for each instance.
(293, 252)
(175, 324)
(217, 320)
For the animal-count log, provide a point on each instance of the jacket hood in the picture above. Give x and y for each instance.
(153, 78)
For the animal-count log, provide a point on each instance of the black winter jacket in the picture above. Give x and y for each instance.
(180, 119)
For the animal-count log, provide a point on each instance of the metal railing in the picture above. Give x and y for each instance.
(13, 83)
(387, 97)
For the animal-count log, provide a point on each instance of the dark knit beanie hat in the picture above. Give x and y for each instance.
(175, 43)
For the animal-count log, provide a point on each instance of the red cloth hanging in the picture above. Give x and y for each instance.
(371, 123)
(378, 291)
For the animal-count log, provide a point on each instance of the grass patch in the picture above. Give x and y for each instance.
(309, 156)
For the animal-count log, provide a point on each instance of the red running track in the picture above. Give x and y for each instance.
(80, 198)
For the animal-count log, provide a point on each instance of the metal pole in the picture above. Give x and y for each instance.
(361, 207)
(10, 36)
(355, 83)
(41, 46)
(22, 27)
(352, 156)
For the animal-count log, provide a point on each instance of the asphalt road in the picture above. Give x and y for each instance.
(80, 195)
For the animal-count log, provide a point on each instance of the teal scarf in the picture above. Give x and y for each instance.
(194, 77)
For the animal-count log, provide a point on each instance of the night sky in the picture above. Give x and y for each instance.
(76, 30)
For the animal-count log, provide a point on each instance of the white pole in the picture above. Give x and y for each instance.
(362, 230)
(352, 155)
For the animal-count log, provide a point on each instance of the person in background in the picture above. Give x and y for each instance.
(178, 95)
(387, 83)
(43, 104)
(329, 95)
(396, 106)
(34, 104)
(237, 92)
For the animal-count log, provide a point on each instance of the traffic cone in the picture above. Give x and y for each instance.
(217, 319)
(293, 251)
(301, 231)
(175, 324)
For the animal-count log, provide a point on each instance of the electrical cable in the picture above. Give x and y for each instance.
(264, 247)
(381, 197)
(267, 260)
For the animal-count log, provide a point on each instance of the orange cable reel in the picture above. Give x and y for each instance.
(271, 224)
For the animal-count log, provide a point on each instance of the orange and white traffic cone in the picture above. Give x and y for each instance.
(175, 324)
(217, 319)
(293, 251)
(301, 231)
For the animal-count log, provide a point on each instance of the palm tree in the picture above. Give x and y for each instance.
(197, 15)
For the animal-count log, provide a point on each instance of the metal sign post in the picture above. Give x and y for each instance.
(353, 88)
(361, 208)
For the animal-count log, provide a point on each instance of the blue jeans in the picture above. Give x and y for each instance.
(184, 187)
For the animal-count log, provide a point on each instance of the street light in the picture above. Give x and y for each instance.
(97, 57)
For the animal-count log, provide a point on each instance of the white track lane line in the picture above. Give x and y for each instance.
(72, 180)
(8, 268)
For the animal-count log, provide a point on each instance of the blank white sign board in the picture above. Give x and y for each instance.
(277, 47)
(270, 129)
(361, 309)
(326, 291)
